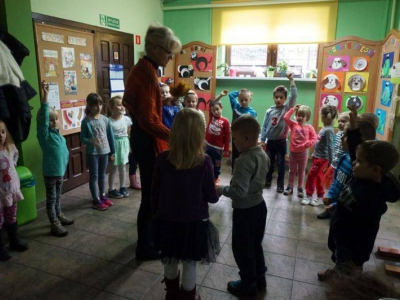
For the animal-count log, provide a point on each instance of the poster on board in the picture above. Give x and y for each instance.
(117, 85)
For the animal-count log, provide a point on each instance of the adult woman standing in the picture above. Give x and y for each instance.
(149, 136)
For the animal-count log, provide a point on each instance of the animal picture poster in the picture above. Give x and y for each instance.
(202, 83)
(381, 114)
(338, 63)
(70, 83)
(50, 59)
(356, 82)
(86, 66)
(395, 73)
(332, 99)
(359, 101)
(387, 63)
(360, 63)
(203, 101)
(185, 71)
(201, 62)
(332, 82)
(387, 92)
(68, 57)
(72, 112)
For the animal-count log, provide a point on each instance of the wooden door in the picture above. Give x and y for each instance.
(109, 49)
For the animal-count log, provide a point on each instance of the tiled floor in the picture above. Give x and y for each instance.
(97, 259)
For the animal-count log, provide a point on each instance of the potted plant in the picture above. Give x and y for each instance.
(283, 67)
(270, 72)
(224, 67)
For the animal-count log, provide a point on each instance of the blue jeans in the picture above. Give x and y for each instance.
(53, 194)
(276, 148)
(97, 165)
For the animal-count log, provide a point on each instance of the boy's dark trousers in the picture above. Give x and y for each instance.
(247, 235)
(276, 148)
(216, 157)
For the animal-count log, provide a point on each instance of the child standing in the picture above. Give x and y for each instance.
(121, 126)
(322, 157)
(274, 131)
(98, 136)
(10, 193)
(302, 137)
(185, 233)
(362, 202)
(249, 208)
(217, 137)
(240, 107)
(168, 110)
(190, 101)
(54, 163)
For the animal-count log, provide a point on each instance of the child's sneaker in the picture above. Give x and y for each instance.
(115, 194)
(280, 188)
(324, 215)
(57, 229)
(99, 205)
(288, 191)
(64, 220)
(316, 202)
(300, 193)
(241, 289)
(123, 192)
(306, 200)
(268, 183)
(106, 201)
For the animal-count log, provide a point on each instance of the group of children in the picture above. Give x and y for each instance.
(357, 178)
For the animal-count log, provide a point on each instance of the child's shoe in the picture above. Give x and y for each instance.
(99, 205)
(268, 183)
(106, 201)
(288, 191)
(123, 192)
(324, 215)
(240, 289)
(280, 188)
(64, 220)
(261, 283)
(115, 194)
(306, 200)
(316, 202)
(300, 193)
(57, 229)
(15, 243)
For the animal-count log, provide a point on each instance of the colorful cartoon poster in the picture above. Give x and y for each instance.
(381, 114)
(332, 99)
(203, 100)
(86, 66)
(185, 71)
(202, 83)
(117, 86)
(76, 41)
(358, 101)
(387, 63)
(68, 57)
(50, 59)
(54, 95)
(338, 63)
(202, 62)
(386, 93)
(395, 73)
(360, 63)
(167, 80)
(53, 38)
(356, 82)
(70, 83)
(72, 112)
(332, 82)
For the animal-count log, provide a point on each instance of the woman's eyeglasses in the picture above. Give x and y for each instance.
(170, 54)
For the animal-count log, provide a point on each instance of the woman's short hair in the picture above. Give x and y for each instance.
(162, 36)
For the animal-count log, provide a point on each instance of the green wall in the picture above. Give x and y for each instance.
(16, 16)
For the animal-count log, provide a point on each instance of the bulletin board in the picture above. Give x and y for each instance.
(196, 65)
(66, 62)
(348, 69)
(388, 92)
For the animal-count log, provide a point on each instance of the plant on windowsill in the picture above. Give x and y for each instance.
(224, 67)
(270, 72)
(283, 67)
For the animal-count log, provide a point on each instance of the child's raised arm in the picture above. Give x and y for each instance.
(45, 90)
(293, 90)
(287, 116)
(222, 94)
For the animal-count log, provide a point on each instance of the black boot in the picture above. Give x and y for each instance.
(15, 243)
(4, 255)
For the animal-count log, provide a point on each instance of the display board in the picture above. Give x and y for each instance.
(348, 69)
(387, 92)
(66, 62)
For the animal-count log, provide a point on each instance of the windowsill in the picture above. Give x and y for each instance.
(266, 78)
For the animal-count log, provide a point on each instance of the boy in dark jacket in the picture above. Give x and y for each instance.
(362, 202)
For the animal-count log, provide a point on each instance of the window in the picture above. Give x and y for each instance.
(252, 60)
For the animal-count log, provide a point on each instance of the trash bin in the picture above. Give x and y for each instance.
(26, 211)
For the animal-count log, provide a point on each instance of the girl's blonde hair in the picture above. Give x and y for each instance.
(345, 114)
(305, 110)
(9, 140)
(186, 140)
(112, 103)
(329, 112)
(92, 99)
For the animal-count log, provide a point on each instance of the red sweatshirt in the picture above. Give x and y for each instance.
(218, 133)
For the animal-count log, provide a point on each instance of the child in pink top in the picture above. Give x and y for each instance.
(302, 137)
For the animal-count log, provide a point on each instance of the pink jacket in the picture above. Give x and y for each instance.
(302, 137)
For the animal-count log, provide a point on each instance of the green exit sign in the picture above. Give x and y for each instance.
(109, 21)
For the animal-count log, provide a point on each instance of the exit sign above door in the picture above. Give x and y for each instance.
(109, 21)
